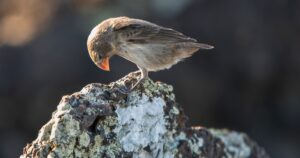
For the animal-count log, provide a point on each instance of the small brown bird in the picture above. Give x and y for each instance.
(151, 47)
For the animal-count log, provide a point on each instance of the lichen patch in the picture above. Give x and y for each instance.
(141, 123)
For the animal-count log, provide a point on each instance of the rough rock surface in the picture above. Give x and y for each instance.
(99, 121)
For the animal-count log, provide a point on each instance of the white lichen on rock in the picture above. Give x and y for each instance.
(100, 122)
(195, 144)
(234, 142)
(141, 123)
(84, 139)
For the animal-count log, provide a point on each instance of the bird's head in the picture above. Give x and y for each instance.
(99, 47)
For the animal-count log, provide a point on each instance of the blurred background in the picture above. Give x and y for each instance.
(250, 82)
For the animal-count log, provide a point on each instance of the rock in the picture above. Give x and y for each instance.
(99, 121)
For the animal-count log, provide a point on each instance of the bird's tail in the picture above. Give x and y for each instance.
(203, 46)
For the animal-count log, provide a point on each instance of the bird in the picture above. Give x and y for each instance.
(150, 46)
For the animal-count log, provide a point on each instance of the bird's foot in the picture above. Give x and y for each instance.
(127, 90)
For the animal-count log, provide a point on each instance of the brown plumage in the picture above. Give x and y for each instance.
(149, 46)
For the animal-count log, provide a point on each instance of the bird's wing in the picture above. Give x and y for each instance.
(138, 31)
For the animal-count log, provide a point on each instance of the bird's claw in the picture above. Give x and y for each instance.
(126, 90)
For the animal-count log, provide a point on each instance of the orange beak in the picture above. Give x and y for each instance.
(104, 64)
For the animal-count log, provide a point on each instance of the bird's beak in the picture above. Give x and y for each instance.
(104, 64)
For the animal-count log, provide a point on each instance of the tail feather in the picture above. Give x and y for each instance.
(203, 46)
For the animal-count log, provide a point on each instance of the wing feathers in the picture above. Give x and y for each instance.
(139, 31)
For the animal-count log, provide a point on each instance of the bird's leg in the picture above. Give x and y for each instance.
(144, 75)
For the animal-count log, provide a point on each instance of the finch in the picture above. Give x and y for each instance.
(151, 47)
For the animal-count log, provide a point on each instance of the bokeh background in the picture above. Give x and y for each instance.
(250, 82)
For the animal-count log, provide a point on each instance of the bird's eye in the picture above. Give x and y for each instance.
(99, 56)
(95, 56)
